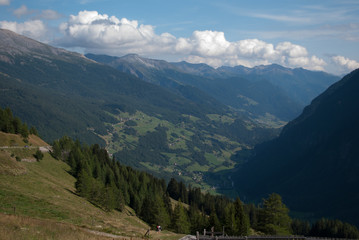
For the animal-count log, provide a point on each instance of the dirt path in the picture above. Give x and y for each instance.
(42, 148)
(103, 234)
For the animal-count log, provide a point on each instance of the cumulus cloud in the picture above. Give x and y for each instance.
(34, 29)
(97, 32)
(212, 48)
(100, 33)
(4, 2)
(345, 63)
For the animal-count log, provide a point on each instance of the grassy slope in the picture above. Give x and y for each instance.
(35, 191)
(8, 139)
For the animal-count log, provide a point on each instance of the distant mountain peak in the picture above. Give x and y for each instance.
(14, 44)
(131, 56)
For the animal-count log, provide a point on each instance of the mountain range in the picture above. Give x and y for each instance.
(259, 92)
(176, 131)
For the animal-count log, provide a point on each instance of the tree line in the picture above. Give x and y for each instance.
(11, 124)
(107, 183)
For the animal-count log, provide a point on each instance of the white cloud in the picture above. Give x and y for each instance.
(345, 63)
(4, 2)
(22, 11)
(99, 33)
(34, 29)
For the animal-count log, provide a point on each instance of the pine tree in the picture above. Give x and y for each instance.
(24, 131)
(162, 216)
(242, 220)
(173, 189)
(230, 220)
(252, 212)
(214, 221)
(83, 184)
(274, 218)
(180, 222)
(149, 210)
(56, 150)
(33, 131)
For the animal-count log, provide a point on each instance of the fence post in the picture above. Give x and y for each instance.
(197, 235)
(204, 232)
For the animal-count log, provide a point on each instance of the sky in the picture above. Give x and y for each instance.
(318, 35)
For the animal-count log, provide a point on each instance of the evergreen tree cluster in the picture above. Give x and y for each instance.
(183, 209)
(108, 184)
(330, 228)
(11, 124)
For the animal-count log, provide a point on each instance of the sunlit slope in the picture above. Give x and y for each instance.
(37, 191)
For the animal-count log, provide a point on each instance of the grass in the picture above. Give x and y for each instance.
(176, 160)
(42, 197)
(14, 140)
(8, 164)
(197, 167)
(21, 227)
(212, 159)
(221, 118)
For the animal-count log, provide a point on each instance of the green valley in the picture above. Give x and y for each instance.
(184, 149)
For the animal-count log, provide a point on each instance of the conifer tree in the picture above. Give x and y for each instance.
(214, 221)
(180, 222)
(33, 131)
(83, 184)
(230, 220)
(162, 216)
(173, 189)
(241, 219)
(274, 218)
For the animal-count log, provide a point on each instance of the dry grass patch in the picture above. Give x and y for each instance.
(20, 227)
(36, 141)
(9, 165)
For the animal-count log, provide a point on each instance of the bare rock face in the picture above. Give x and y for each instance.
(13, 44)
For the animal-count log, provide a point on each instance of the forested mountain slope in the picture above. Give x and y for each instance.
(314, 163)
(32, 72)
(144, 125)
(301, 85)
(256, 98)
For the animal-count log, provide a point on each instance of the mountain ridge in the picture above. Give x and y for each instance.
(95, 103)
(231, 89)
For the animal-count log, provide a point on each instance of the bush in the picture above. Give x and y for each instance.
(39, 155)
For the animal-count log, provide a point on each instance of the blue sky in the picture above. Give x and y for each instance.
(316, 35)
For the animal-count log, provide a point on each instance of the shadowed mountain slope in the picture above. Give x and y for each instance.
(314, 163)
(253, 96)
